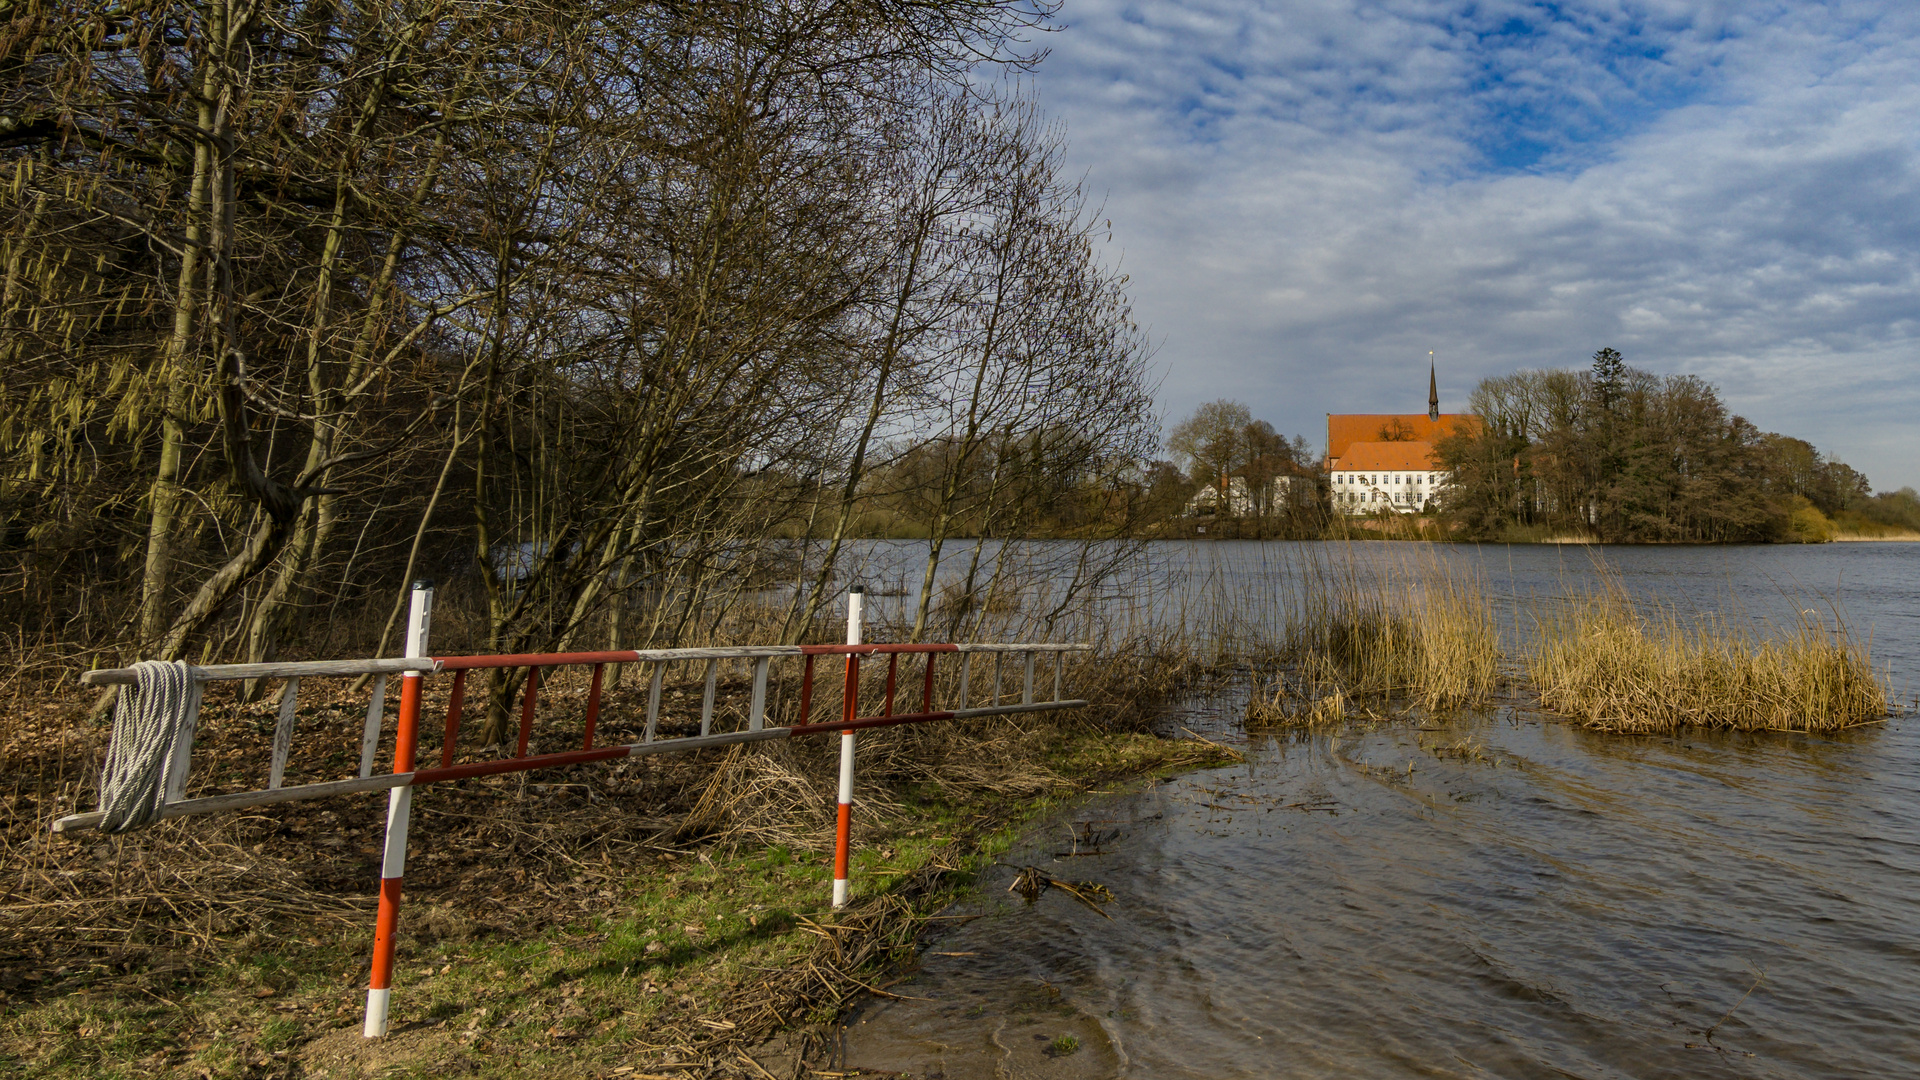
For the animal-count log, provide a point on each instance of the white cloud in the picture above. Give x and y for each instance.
(1310, 196)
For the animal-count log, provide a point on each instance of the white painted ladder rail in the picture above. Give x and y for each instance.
(178, 806)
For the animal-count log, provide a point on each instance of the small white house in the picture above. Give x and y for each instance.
(1239, 496)
(1369, 477)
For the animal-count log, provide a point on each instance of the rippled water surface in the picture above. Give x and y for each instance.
(1500, 895)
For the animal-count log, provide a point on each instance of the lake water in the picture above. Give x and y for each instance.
(1495, 896)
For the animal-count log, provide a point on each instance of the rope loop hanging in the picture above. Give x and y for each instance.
(149, 719)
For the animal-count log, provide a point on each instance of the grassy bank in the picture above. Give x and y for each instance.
(663, 916)
(692, 954)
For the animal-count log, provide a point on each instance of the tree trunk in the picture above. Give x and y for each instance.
(177, 375)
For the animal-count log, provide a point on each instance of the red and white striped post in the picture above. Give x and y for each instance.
(393, 863)
(843, 830)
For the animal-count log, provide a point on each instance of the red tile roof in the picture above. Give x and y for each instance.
(1344, 429)
(1387, 456)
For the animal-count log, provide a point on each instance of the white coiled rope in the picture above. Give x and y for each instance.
(150, 717)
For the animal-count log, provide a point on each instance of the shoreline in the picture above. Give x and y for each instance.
(1853, 538)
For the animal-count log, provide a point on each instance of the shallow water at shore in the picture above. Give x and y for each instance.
(1501, 895)
(1539, 901)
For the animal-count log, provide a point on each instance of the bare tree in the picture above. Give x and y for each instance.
(1212, 444)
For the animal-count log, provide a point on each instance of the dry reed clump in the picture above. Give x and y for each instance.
(1426, 635)
(997, 758)
(1611, 667)
(987, 760)
(762, 796)
(753, 797)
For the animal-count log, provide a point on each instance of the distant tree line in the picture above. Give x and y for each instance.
(1612, 452)
(574, 304)
(1629, 456)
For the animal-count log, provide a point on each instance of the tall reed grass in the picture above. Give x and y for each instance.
(1614, 664)
(1419, 630)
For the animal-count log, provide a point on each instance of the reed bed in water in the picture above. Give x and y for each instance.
(1614, 665)
(1418, 630)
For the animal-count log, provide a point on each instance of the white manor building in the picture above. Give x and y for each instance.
(1374, 476)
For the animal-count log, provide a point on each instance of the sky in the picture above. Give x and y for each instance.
(1311, 195)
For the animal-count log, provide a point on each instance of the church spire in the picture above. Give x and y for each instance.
(1433, 389)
